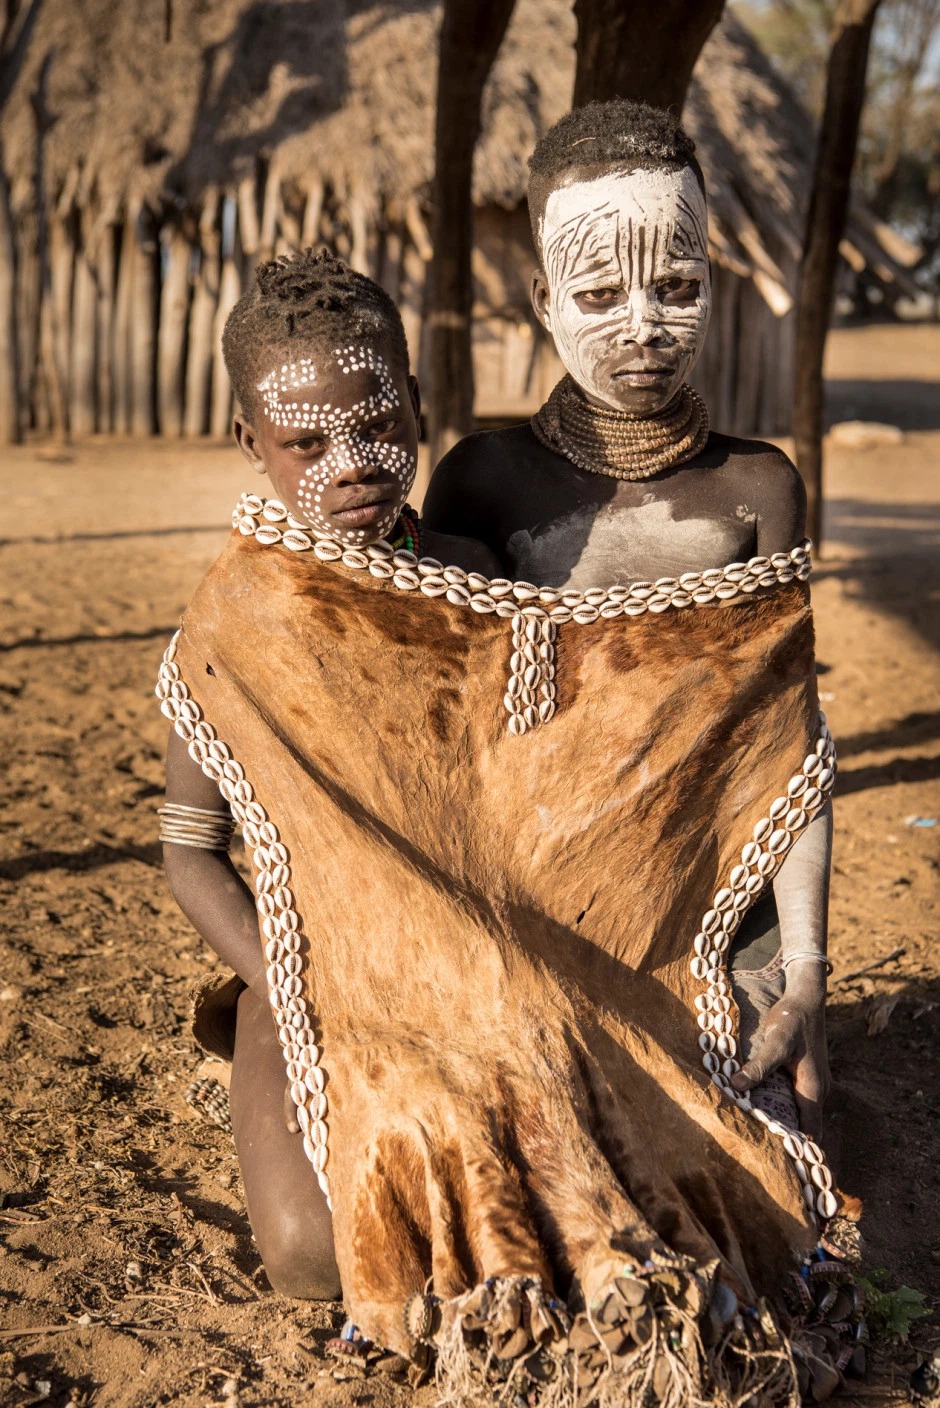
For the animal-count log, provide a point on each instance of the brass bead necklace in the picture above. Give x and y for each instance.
(611, 442)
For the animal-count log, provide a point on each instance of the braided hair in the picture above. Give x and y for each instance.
(615, 136)
(311, 298)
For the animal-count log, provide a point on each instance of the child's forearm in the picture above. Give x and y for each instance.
(801, 890)
(220, 906)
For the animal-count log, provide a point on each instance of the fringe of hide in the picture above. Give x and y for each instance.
(661, 1336)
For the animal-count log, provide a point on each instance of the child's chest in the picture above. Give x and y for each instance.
(633, 533)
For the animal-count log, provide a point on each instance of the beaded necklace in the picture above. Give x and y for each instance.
(614, 443)
(407, 531)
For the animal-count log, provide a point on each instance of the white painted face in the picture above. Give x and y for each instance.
(625, 289)
(344, 463)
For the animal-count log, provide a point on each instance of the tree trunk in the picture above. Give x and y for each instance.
(470, 38)
(825, 222)
(641, 51)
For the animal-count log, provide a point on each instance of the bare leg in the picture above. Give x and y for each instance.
(287, 1211)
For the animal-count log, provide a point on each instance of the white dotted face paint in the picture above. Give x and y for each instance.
(349, 437)
(625, 261)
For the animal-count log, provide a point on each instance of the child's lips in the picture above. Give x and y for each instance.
(643, 376)
(361, 515)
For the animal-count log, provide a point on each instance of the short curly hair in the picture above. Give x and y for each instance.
(311, 298)
(619, 135)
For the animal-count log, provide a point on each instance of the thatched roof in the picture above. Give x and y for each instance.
(161, 102)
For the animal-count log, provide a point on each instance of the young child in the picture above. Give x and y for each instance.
(329, 413)
(619, 479)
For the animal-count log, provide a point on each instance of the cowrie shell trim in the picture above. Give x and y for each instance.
(280, 922)
(760, 858)
(543, 609)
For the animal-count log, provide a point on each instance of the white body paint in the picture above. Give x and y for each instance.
(286, 400)
(604, 544)
(634, 232)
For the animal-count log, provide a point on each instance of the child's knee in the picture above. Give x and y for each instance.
(298, 1259)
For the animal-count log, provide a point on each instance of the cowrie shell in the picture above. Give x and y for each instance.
(793, 1145)
(827, 1204)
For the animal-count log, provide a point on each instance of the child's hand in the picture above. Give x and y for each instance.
(793, 1036)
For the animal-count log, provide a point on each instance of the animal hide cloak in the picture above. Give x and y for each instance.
(483, 960)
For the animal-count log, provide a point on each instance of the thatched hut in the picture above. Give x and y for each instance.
(151, 154)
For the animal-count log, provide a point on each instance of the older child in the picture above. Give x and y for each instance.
(620, 479)
(328, 411)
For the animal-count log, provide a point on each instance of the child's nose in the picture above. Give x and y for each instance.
(637, 324)
(353, 463)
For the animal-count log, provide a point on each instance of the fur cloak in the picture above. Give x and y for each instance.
(497, 958)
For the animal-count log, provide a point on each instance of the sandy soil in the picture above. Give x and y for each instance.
(127, 1272)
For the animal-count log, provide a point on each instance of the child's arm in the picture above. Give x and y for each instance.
(205, 884)
(793, 1034)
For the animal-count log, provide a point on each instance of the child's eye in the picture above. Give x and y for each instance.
(383, 427)
(597, 297)
(678, 291)
(311, 446)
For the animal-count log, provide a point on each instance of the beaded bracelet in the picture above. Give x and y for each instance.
(195, 826)
(808, 954)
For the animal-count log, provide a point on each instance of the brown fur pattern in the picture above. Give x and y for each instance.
(499, 929)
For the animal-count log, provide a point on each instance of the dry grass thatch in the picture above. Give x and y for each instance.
(152, 152)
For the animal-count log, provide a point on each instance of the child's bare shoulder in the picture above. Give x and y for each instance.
(765, 483)
(480, 479)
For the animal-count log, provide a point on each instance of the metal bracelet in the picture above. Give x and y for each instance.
(195, 826)
(810, 955)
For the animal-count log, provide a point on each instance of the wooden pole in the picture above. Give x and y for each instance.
(11, 418)
(105, 237)
(825, 222)
(641, 51)
(84, 334)
(470, 38)
(230, 287)
(143, 305)
(202, 321)
(121, 350)
(171, 332)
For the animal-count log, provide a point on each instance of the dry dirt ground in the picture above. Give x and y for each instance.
(128, 1277)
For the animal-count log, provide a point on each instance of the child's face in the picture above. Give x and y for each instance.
(624, 289)
(337, 435)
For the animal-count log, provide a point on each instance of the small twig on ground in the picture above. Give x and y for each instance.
(208, 1289)
(870, 967)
